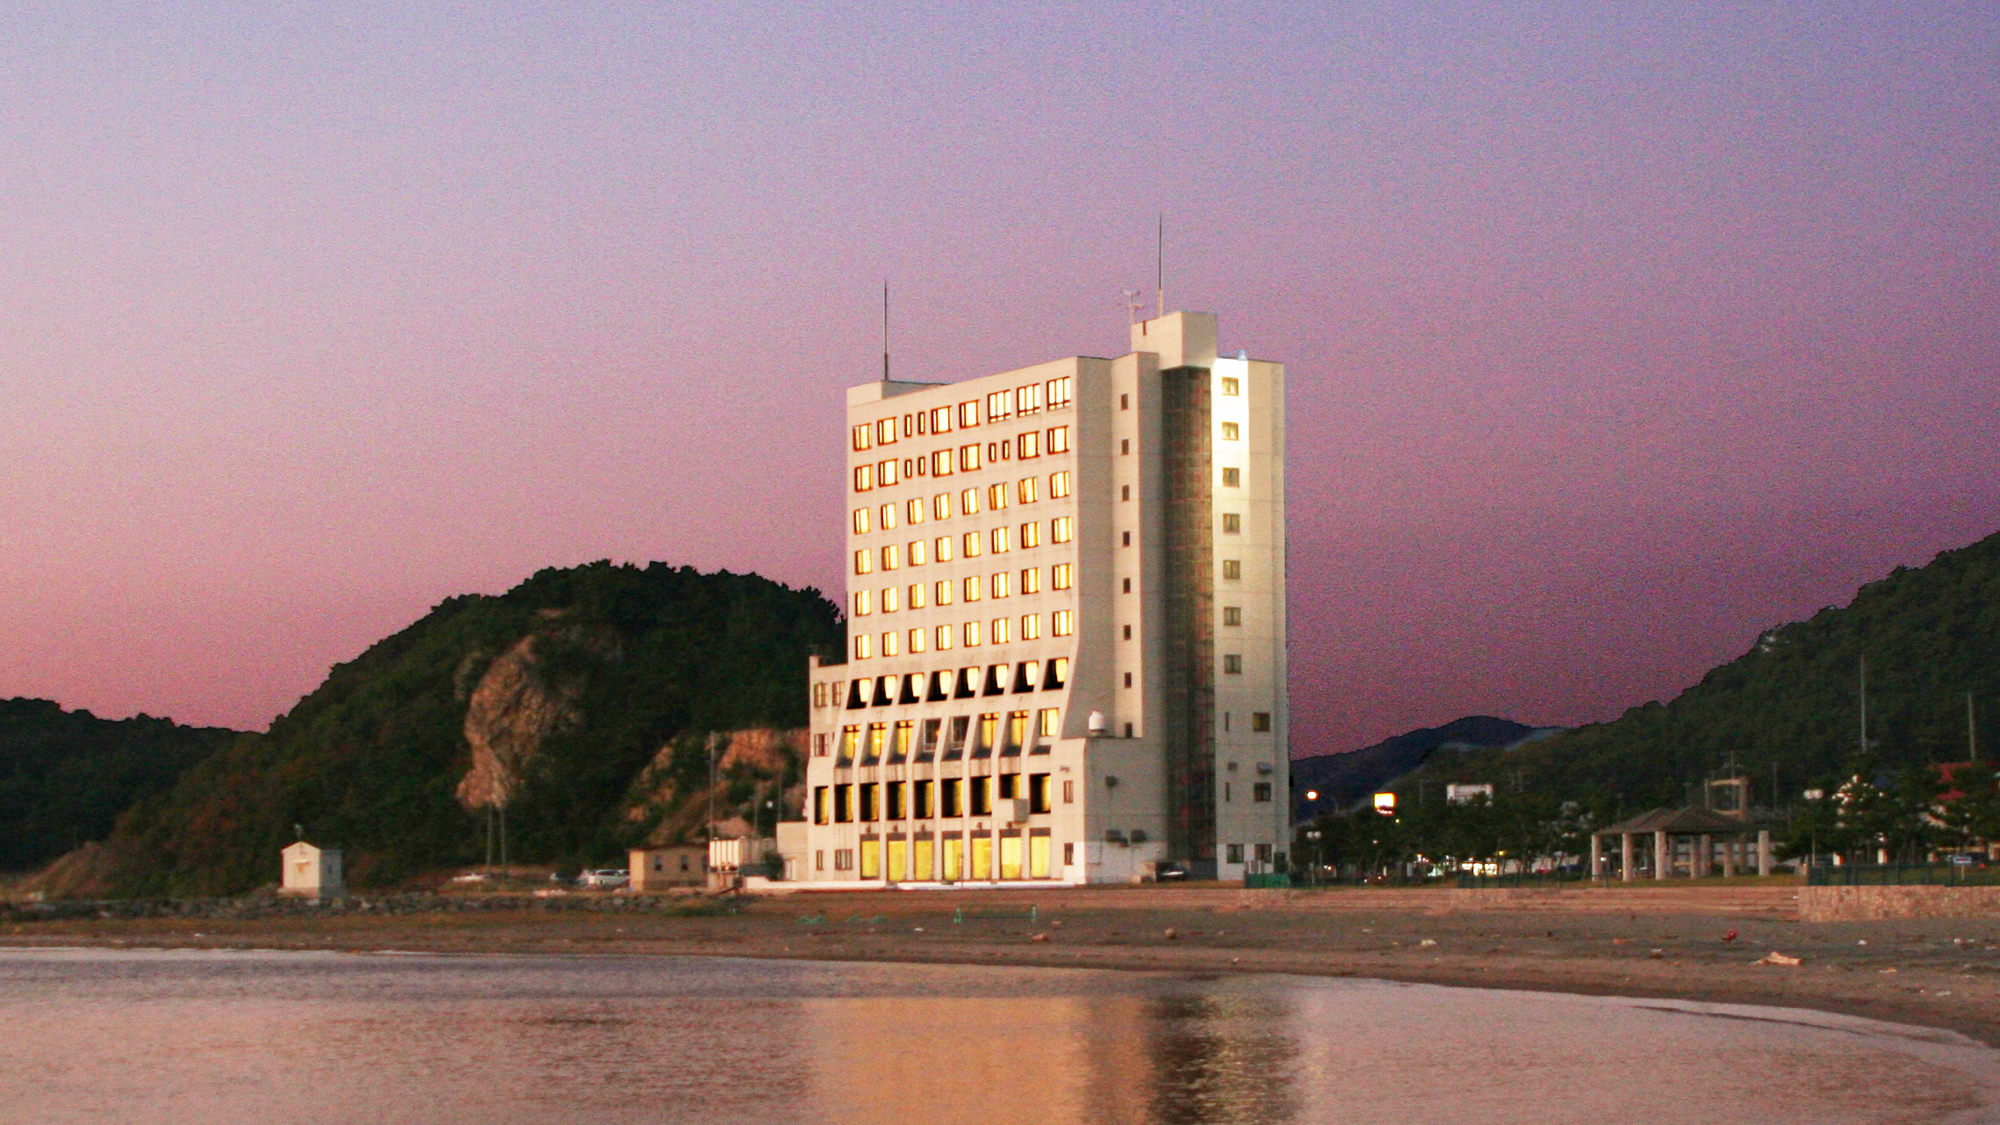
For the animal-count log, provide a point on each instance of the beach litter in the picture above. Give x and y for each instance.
(1776, 958)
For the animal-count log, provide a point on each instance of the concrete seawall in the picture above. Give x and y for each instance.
(1848, 904)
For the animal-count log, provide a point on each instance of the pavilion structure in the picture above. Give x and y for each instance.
(1692, 841)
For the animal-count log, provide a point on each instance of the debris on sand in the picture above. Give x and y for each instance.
(1776, 958)
(1730, 936)
(1039, 937)
(1171, 935)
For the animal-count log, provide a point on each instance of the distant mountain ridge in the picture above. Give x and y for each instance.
(66, 775)
(1343, 779)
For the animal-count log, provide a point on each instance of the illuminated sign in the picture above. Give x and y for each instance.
(1385, 803)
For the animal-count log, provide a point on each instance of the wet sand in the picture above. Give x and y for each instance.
(1639, 941)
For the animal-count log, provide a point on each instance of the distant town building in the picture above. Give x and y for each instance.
(311, 872)
(661, 869)
(1066, 624)
(1460, 793)
(729, 860)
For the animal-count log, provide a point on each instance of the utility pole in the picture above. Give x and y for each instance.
(1971, 731)
(1864, 706)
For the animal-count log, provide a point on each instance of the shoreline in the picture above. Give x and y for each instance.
(1700, 944)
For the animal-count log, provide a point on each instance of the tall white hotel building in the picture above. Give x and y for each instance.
(1066, 625)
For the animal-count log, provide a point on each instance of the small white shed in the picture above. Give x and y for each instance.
(312, 872)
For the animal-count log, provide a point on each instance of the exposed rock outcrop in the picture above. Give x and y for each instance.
(519, 701)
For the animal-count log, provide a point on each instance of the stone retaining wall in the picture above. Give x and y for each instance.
(1848, 904)
(263, 907)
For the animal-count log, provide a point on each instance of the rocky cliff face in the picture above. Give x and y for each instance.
(754, 766)
(523, 696)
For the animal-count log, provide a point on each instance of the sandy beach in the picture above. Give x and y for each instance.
(1646, 941)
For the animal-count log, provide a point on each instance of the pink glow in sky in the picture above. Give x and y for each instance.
(1616, 334)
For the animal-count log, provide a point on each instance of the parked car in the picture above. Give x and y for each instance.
(604, 878)
(1169, 871)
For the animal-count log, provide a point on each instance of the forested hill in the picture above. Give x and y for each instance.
(66, 775)
(1930, 636)
(556, 697)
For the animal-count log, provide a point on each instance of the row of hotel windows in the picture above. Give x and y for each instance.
(964, 738)
(964, 459)
(922, 857)
(920, 594)
(999, 406)
(999, 631)
(949, 798)
(972, 544)
(914, 509)
(945, 683)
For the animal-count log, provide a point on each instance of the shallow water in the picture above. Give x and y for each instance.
(271, 1038)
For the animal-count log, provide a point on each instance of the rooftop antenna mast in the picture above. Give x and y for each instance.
(885, 330)
(1160, 262)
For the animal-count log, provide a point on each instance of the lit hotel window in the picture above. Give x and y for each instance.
(942, 548)
(1000, 627)
(1229, 385)
(1062, 623)
(860, 521)
(863, 647)
(968, 414)
(888, 517)
(1232, 568)
(917, 592)
(1031, 579)
(941, 506)
(890, 643)
(998, 587)
(1059, 529)
(864, 436)
(943, 637)
(915, 510)
(971, 634)
(1031, 535)
(864, 477)
(1031, 626)
(968, 502)
(1059, 577)
(863, 603)
(972, 544)
(918, 551)
(1059, 440)
(1059, 485)
(1232, 615)
(945, 587)
(864, 561)
(1232, 478)
(972, 588)
(1232, 523)
(1230, 432)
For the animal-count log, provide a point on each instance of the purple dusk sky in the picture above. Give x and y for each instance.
(1617, 333)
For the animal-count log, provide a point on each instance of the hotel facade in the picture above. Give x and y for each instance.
(1066, 625)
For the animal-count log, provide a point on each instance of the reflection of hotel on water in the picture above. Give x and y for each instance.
(1066, 625)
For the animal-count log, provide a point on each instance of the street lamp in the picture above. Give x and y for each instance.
(1318, 860)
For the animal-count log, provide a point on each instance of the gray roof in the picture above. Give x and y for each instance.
(1679, 821)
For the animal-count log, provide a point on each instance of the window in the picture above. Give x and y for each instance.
(941, 420)
(914, 510)
(1001, 627)
(1031, 578)
(843, 803)
(944, 589)
(999, 404)
(1028, 400)
(1125, 539)
(819, 698)
(1029, 489)
(973, 585)
(1059, 577)
(1232, 569)
(973, 544)
(944, 638)
(892, 804)
(1010, 784)
(941, 549)
(888, 517)
(843, 859)
(1058, 672)
(850, 739)
(885, 432)
(920, 800)
(885, 473)
(891, 642)
(1069, 798)
(968, 458)
(878, 733)
(1261, 791)
(889, 599)
(1232, 664)
(861, 521)
(997, 586)
(1124, 492)
(822, 806)
(968, 414)
(1002, 539)
(919, 551)
(1062, 622)
(1234, 854)
(982, 795)
(869, 809)
(996, 497)
(1059, 529)
(1232, 523)
(918, 590)
(998, 451)
(1124, 402)
(864, 602)
(864, 477)
(1260, 720)
(941, 465)
(1229, 385)
(1128, 632)
(1031, 535)
(1124, 447)
(864, 437)
(892, 557)
(1058, 393)
(1031, 626)
(1029, 445)
(1230, 432)
(864, 561)
(1232, 615)
(1059, 439)
(941, 506)
(950, 794)
(1059, 485)
(969, 632)
(1128, 585)
(1232, 478)
(819, 858)
(968, 502)
(919, 640)
(1046, 722)
(1038, 793)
